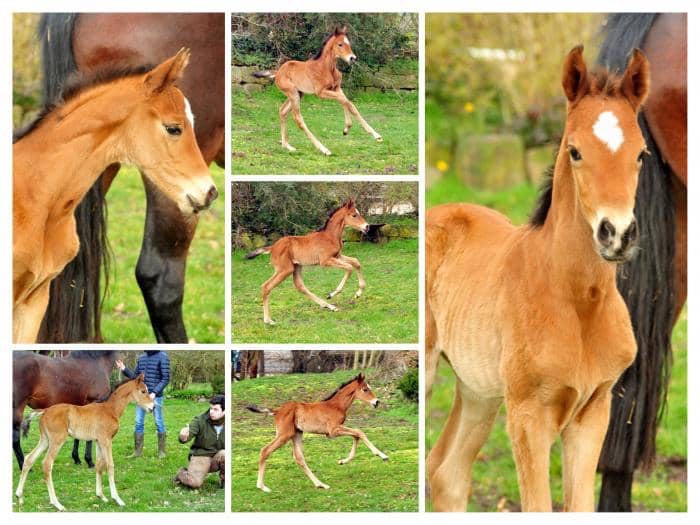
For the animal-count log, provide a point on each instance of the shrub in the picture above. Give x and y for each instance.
(408, 384)
(218, 384)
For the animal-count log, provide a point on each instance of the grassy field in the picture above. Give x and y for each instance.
(145, 484)
(495, 483)
(256, 147)
(365, 484)
(387, 312)
(125, 317)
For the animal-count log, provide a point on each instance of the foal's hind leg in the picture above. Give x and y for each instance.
(358, 268)
(349, 107)
(99, 469)
(265, 452)
(55, 445)
(106, 447)
(29, 461)
(284, 113)
(296, 111)
(350, 457)
(358, 434)
(279, 276)
(449, 465)
(299, 285)
(298, 451)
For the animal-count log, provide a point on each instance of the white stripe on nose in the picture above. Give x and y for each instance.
(188, 112)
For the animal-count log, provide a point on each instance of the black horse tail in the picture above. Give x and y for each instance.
(27, 421)
(646, 283)
(75, 302)
(259, 251)
(260, 410)
(265, 74)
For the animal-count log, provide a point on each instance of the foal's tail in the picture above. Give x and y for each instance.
(27, 420)
(259, 410)
(259, 251)
(267, 73)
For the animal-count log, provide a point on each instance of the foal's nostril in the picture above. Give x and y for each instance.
(631, 234)
(212, 194)
(606, 232)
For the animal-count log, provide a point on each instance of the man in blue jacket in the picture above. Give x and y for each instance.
(156, 368)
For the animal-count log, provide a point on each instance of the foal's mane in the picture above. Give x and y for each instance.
(602, 83)
(114, 390)
(330, 216)
(76, 84)
(323, 44)
(91, 354)
(330, 396)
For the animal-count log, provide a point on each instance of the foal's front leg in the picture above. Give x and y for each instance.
(358, 434)
(106, 447)
(298, 451)
(349, 107)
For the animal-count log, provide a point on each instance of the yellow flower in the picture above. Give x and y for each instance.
(469, 107)
(442, 166)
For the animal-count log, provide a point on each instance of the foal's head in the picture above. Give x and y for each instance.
(339, 46)
(605, 148)
(352, 218)
(160, 134)
(139, 393)
(363, 392)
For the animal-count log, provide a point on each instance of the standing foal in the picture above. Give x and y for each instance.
(323, 417)
(321, 77)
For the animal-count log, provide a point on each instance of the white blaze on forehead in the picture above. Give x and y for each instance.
(345, 39)
(607, 129)
(188, 112)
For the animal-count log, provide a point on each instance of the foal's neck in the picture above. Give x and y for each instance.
(118, 401)
(343, 399)
(335, 227)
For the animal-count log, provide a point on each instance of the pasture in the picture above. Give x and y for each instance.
(255, 135)
(365, 484)
(387, 312)
(494, 479)
(145, 483)
(124, 315)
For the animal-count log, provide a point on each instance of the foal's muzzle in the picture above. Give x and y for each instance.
(375, 403)
(352, 59)
(210, 197)
(616, 244)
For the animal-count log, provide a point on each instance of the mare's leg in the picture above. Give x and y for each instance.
(280, 275)
(358, 434)
(583, 440)
(99, 469)
(348, 106)
(348, 459)
(106, 449)
(160, 271)
(284, 113)
(299, 285)
(298, 452)
(55, 444)
(265, 452)
(88, 454)
(16, 433)
(29, 463)
(27, 316)
(296, 112)
(449, 465)
(355, 263)
(76, 452)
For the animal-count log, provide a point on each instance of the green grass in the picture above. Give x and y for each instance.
(494, 479)
(387, 312)
(125, 317)
(365, 484)
(145, 484)
(257, 149)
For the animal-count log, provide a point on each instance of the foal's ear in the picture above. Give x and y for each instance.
(141, 377)
(360, 377)
(341, 30)
(575, 75)
(163, 75)
(350, 204)
(636, 80)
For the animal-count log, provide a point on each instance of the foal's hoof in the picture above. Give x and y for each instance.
(270, 322)
(103, 498)
(322, 486)
(289, 147)
(325, 151)
(265, 489)
(358, 293)
(379, 139)
(332, 308)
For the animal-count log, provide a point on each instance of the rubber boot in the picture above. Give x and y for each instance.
(138, 446)
(161, 444)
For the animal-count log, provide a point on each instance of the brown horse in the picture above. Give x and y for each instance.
(319, 76)
(96, 421)
(532, 315)
(325, 417)
(139, 118)
(290, 254)
(39, 381)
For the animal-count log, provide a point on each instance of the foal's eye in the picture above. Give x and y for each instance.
(340, 45)
(173, 130)
(574, 154)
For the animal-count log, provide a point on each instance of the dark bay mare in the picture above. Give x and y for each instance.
(89, 42)
(40, 381)
(653, 284)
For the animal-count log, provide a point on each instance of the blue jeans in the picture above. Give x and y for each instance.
(157, 414)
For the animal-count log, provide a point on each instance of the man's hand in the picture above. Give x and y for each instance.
(120, 364)
(153, 395)
(185, 433)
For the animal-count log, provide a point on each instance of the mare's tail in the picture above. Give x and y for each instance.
(267, 73)
(259, 251)
(259, 410)
(75, 300)
(27, 420)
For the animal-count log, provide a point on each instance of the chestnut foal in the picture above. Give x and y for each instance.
(96, 421)
(532, 315)
(325, 417)
(289, 254)
(319, 76)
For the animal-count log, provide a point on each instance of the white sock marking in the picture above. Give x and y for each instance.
(607, 129)
(188, 112)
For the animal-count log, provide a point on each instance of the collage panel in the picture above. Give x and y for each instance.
(145, 93)
(150, 425)
(324, 93)
(324, 262)
(556, 391)
(350, 419)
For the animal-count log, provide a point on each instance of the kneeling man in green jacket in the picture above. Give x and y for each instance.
(207, 451)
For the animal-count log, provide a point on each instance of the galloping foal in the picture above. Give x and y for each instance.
(532, 315)
(319, 76)
(325, 417)
(135, 118)
(289, 254)
(96, 421)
